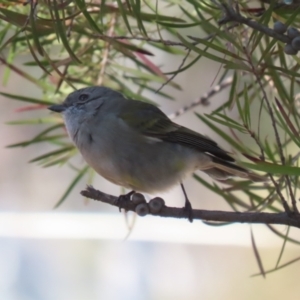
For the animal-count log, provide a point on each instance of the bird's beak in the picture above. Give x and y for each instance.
(57, 108)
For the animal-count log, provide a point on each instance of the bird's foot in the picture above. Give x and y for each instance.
(124, 199)
(188, 210)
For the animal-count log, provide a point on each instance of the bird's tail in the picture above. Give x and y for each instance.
(222, 170)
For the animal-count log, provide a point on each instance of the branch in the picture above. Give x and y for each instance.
(178, 69)
(106, 50)
(279, 144)
(199, 214)
(196, 40)
(232, 15)
(204, 99)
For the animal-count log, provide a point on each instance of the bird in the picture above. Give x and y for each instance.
(133, 144)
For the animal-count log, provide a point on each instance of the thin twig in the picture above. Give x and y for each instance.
(199, 214)
(175, 74)
(32, 14)
(204, 99)
(105, 54)
(232, 15)
(160, 41)
(282, 158)
(139, 38)
(294, 202)
(257, 141)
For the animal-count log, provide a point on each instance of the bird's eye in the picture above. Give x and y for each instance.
(83, 97)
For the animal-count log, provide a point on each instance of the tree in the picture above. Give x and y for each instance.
(83, 43)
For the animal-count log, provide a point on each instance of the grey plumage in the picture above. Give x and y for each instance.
(135, 145)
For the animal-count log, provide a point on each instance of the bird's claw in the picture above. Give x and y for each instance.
(122, 199)
(188, 210)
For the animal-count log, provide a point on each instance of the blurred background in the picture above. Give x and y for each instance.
(86, 250)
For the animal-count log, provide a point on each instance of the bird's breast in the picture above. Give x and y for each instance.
(129, 159)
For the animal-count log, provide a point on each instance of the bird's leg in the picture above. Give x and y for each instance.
(187, 206)
(123, 199)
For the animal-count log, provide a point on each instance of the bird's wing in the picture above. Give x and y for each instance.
(152, 122)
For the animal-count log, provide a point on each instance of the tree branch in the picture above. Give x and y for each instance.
(204, 99)
(232, 15)
(164, 42)
(199, 214)
(106, 50)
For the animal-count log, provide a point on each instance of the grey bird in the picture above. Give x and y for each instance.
(135, 145)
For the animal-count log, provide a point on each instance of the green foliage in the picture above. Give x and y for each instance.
(83, 43)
